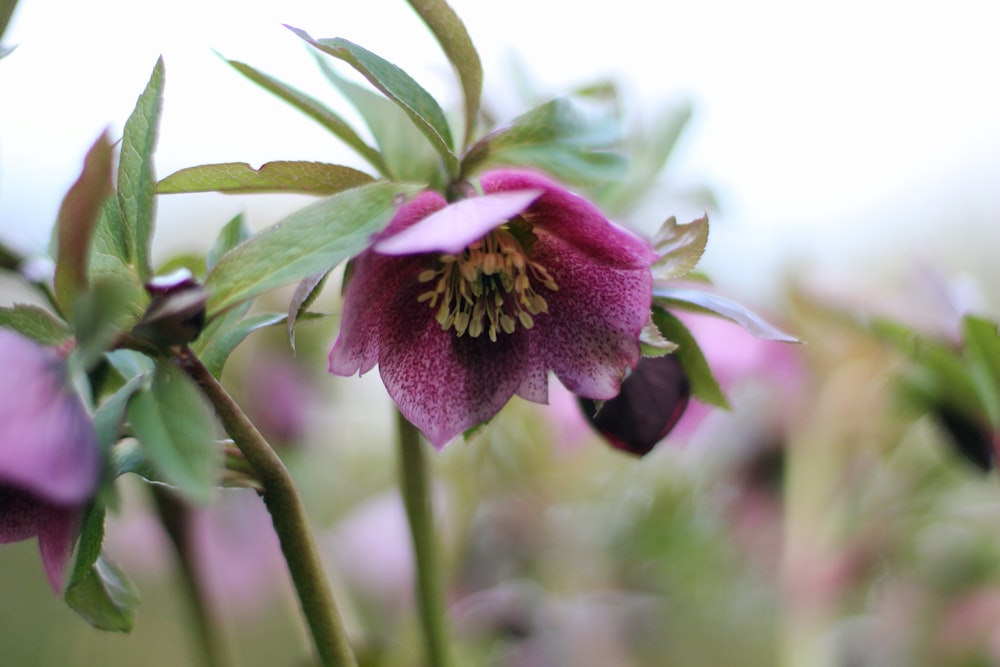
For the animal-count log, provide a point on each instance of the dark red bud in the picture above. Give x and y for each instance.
(652, 400)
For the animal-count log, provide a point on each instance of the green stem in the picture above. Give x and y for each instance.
(175, 516)
(288, 516)
(415, 486)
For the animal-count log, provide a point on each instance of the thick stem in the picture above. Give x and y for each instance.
(415, 486)
(176, 518)
(288, 516)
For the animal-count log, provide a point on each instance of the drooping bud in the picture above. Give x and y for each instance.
(652, 400)
(176, 312)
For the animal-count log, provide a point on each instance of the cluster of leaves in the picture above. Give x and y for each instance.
(958, 385)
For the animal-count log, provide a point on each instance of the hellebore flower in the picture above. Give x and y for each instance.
(50, 461)
(464, 305)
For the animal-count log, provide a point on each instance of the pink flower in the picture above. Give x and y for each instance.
(50, 462)
(464, 305)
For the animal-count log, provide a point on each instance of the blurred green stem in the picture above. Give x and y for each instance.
(415, 486)
(288, 516)
(175, 516)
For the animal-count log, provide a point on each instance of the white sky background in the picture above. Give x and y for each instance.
(837, 135)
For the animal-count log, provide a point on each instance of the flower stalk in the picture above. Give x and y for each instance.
(415, 487)
(288, 516)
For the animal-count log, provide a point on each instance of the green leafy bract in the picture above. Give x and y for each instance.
(461, 52)
(558, 137)
(315, 110)
(36, 323)
(309, 241)
(173, 423)
(704, 386)
(706, 302)
(680, 247)
(98, 590)
(305, 293)
(77, 218)
(108, 418)
(136, 183)
(399, 87)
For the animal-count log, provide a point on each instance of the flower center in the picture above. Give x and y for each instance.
(488, 287)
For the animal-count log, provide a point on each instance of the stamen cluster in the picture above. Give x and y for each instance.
(488, 287)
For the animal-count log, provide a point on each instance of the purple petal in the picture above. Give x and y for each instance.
(457, 225)
(652, 399)
(373, 283)
(58, 528)
(47, 441)
(574, 219)
(442, 383)
(24, 515)
(18, 515)
(591, 334)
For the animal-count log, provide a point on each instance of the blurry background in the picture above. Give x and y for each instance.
(854, 153)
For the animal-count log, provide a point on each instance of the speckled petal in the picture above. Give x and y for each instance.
(457, 225)
(18, 515)
(575, 220)
(591, 334)
(47, 441)
(374, 281)
(444, 384)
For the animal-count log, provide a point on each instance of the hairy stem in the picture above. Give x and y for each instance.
(288, 516)
(415, 486)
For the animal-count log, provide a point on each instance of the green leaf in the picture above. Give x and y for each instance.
(982, 348)
(171, 420)
(129, 363)
(225, 333)
(98, 590)
(706, 302)
(108, 418)
(128, 456)
(305, 294)
(315, 110)
(558, 125)
(6, 11)
(408, 156)
(77, 218)
(136, 183)
(231, 235)
(567, 163)
(309, 241)
(311, 178)
(36, 323)
(704, 386)
(101, 314)
(649, 152)
(399, 87)
(680, 247)
(454, 39)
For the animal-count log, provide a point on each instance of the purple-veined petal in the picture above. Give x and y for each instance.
(574, 219)
(591, 333)
(442, 383)
(457, 225)
(47, 441)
